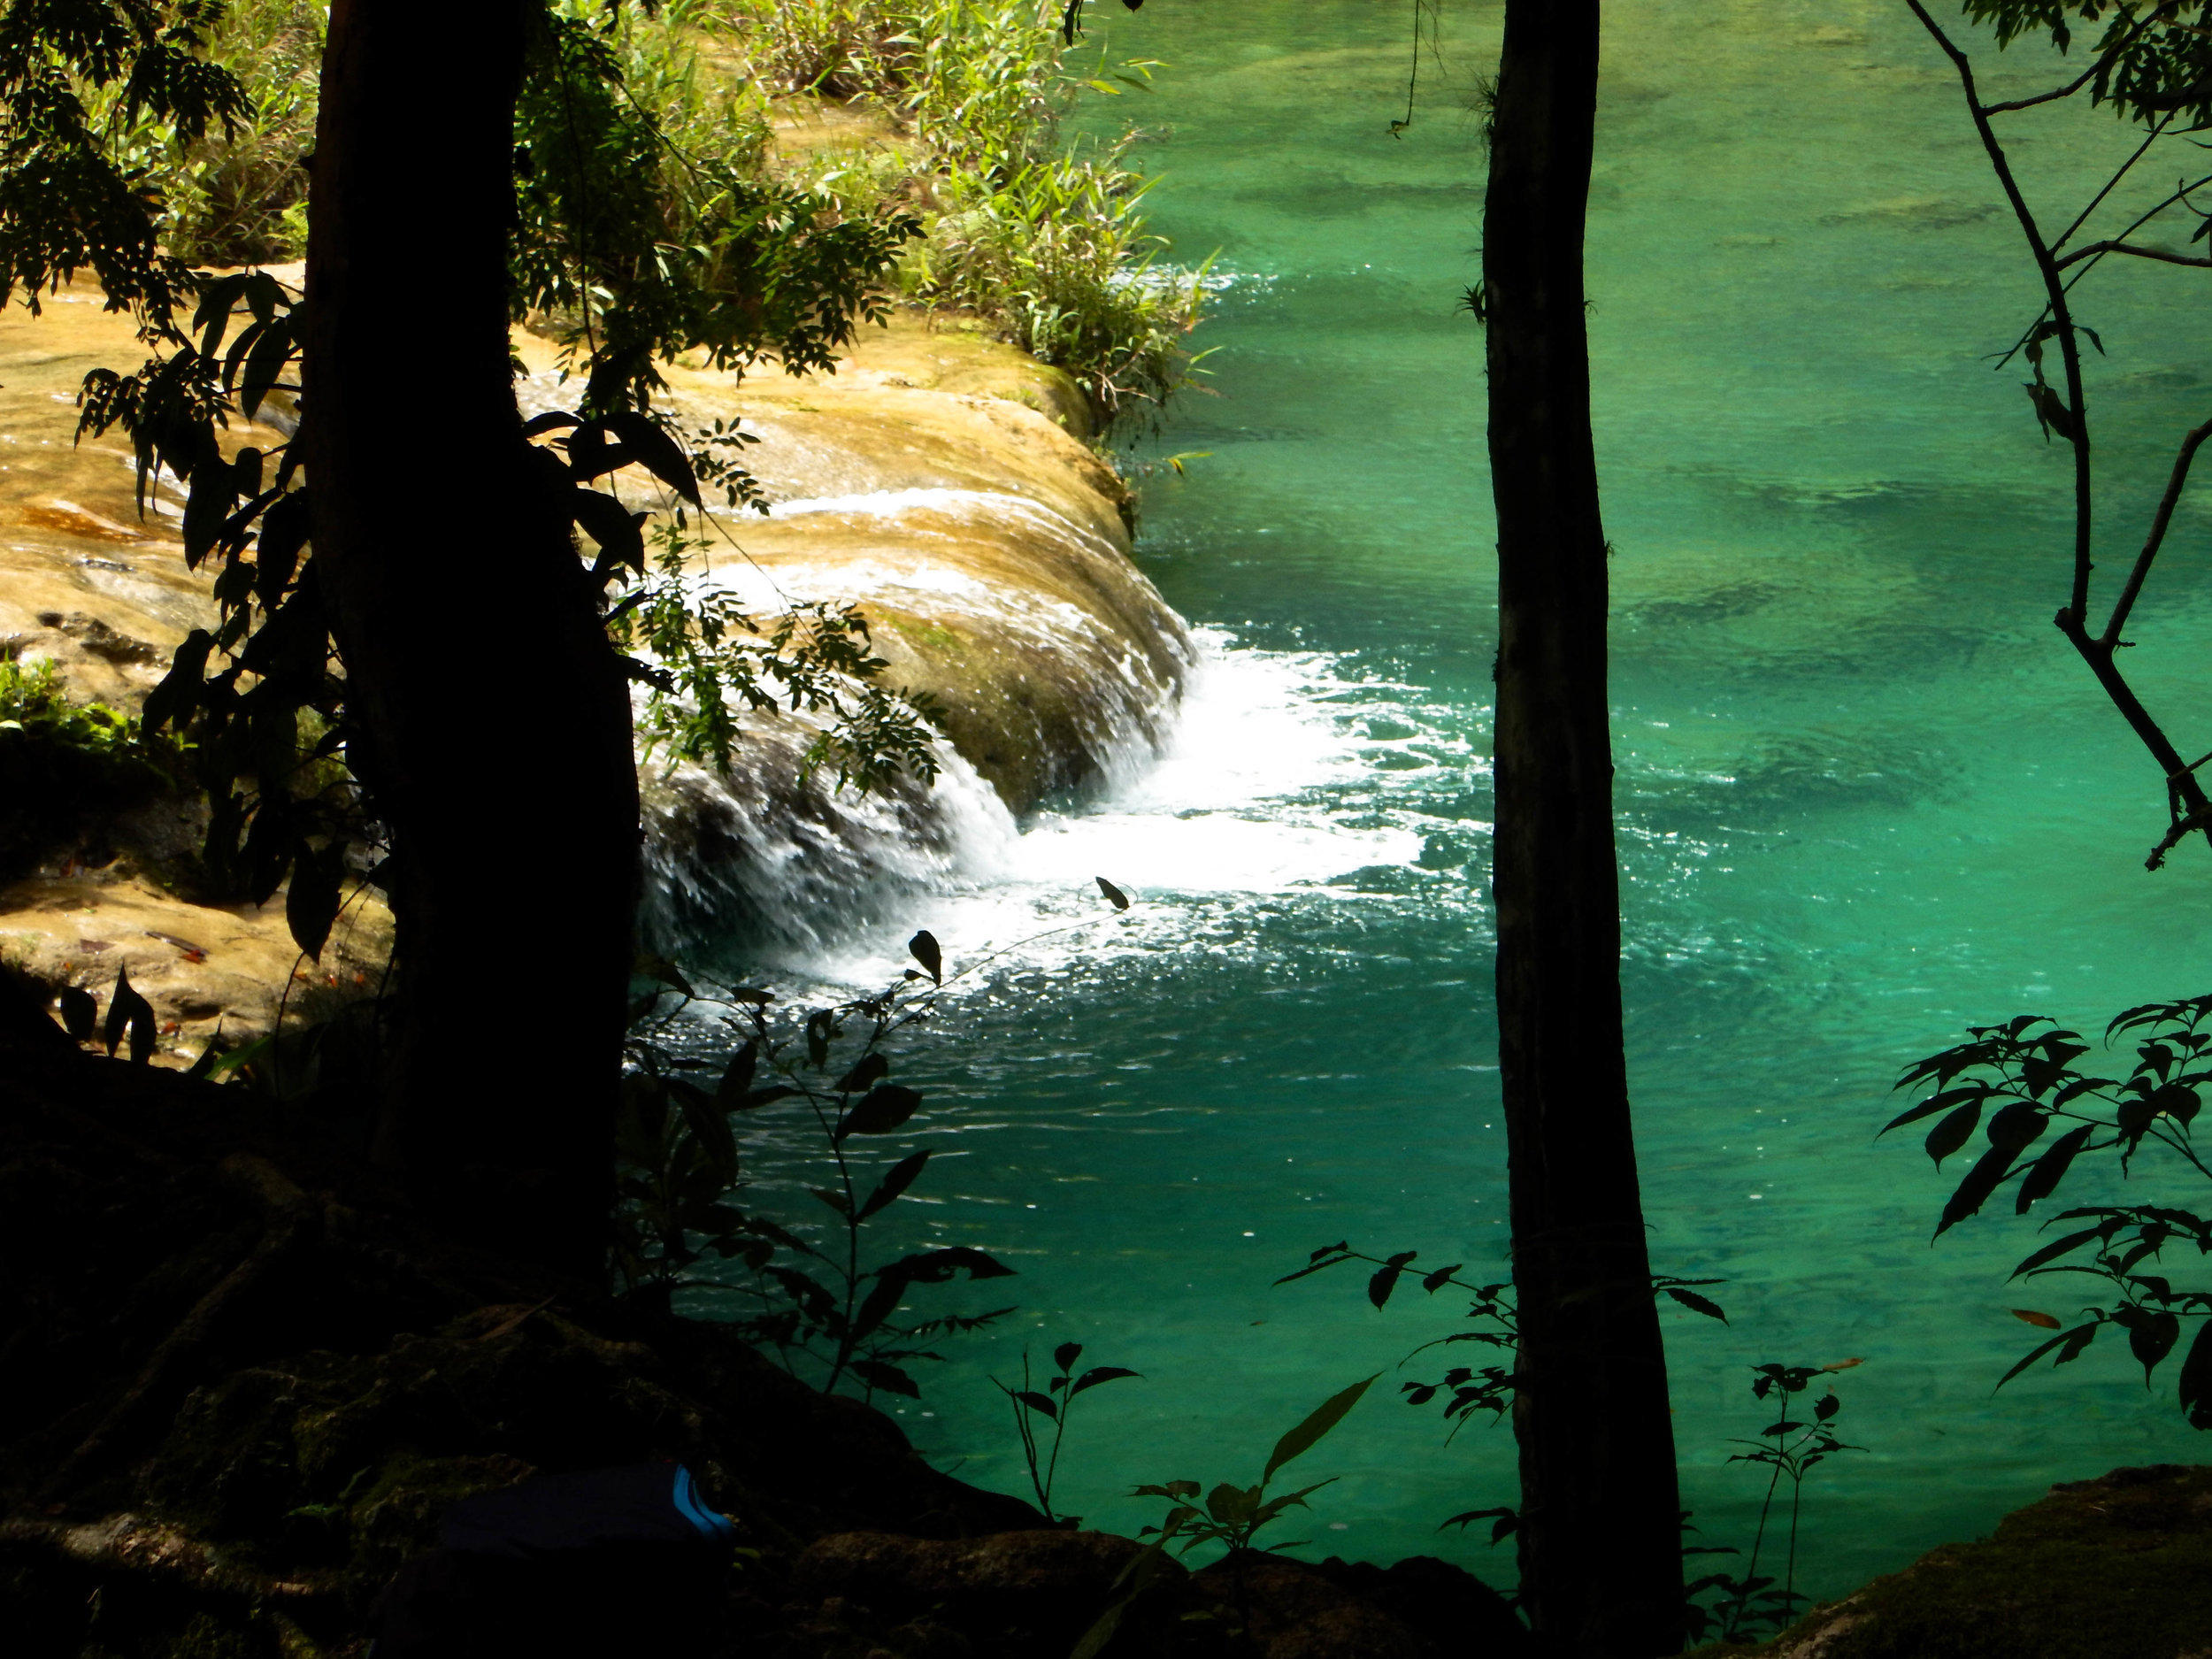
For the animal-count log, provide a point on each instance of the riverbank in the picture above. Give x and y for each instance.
(236, 1408)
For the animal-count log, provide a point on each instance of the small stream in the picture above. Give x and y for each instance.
(1867, 796)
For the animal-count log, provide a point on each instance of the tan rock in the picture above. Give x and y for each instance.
(939, 478)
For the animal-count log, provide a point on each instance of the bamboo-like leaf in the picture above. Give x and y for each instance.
(892, 1186)
(1324, 1417)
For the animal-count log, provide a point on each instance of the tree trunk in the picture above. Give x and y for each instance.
(1601, 1541)
(490, 720)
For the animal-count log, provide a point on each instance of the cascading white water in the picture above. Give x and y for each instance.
(1226, 801)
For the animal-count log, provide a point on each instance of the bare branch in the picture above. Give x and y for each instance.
(2157, 132)
(2166, 504)
(2165, 255)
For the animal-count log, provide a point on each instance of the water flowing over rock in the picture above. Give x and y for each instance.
(939, 479)
(936, 481)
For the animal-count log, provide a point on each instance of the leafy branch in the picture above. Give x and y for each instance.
(2022, 1077)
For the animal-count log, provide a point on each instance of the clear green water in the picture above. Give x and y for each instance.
(1866, 794)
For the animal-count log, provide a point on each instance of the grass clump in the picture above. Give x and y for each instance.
(236, 198)
(1041, 239)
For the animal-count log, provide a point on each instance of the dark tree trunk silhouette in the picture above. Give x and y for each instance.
(1600, 1535)
(491, 721)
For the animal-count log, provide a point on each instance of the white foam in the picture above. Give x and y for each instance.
(1230, 807)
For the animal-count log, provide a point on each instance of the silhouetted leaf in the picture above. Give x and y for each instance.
(2018, 1125)
(661, 971)
(1696, 1304)
(2043, 1178)
(310, 903)
(2057, 1247)
(1043, 1404)
(877, 1112)
(2196, 1380)
(214, 492)
(2152, 1333)
(1949, 1135)
(615, 529)
(178, 692)
(935, 1267)
(764, 1096)
(1385, 1278)
(1096, 1375)
(1327, 1256)
(1064, 1357)
(897, 1181)
(654, 450)
(887, 1378)
(1114, 896)
(923, 947)
(871, 1067)
(552, 420)
(128, 1009)
(276, 553)
(1324, 1417)
(711, 1127)
(78, 1011)
(1974, 1191)
(1934, 1103)
(737, 1080)
(1508, 1522)
(1826, 1407)
(2071, 1343)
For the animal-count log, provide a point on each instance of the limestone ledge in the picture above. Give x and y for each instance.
(940, 479)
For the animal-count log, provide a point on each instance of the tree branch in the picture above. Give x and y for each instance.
(2104, 62)
(2061, 315)
(2158, 131)
(2095, 248)
(2166, 504)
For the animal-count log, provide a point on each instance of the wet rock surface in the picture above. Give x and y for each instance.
(939, 479)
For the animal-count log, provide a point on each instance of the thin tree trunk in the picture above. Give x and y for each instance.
(490, 720)
(1601, 1544)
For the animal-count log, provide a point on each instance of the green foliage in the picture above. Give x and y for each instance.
(239, 198)
(1232, 1516)
(2013, 1083)
(2151, 60)
(34, 704)
(702, 655)
(827, 1316)
(1055, 1403)
(1044, 243)
(68, 203)
(1492, 1322)
(1789, 1447)
(1054, 252)
(62, 764)
(644, 249)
